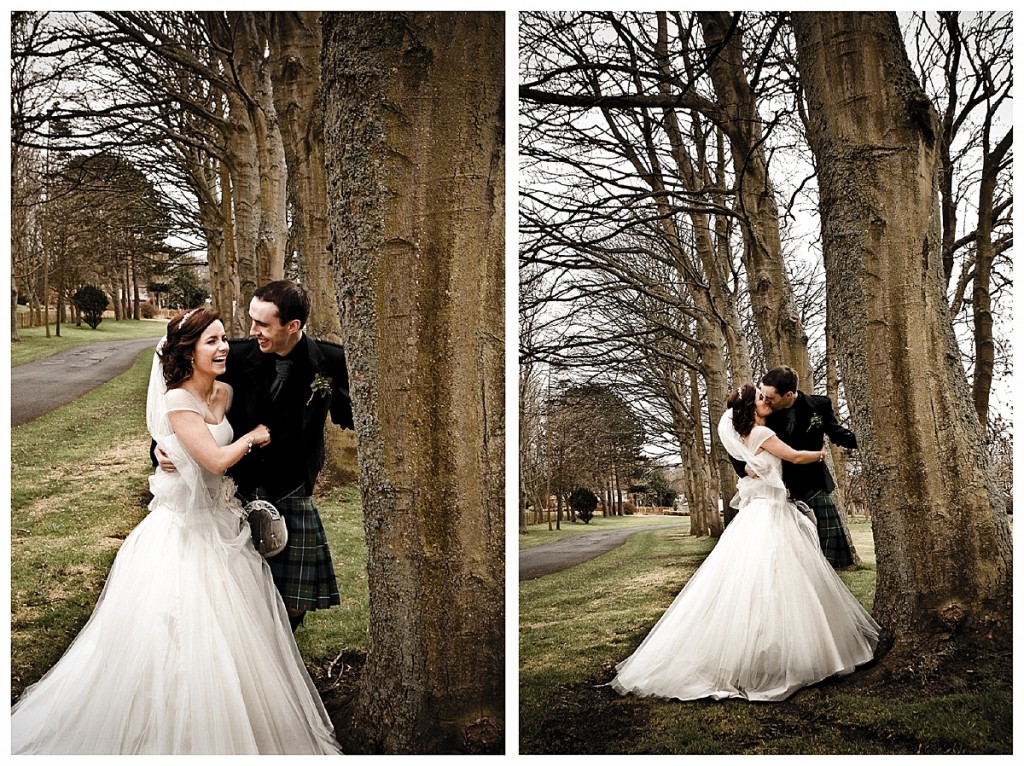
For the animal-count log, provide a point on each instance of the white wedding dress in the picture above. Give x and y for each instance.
(764, 615)
(189, 649)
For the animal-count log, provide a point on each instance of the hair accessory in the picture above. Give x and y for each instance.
(160, 346)
(185, 316)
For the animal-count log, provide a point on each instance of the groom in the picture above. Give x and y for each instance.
(802, 421)
(290, 382)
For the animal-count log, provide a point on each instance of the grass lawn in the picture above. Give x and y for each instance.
(79, 486)
(577, 624)
(35, 345)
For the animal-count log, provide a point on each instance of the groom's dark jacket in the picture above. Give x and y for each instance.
(813, 419)
(317, 385)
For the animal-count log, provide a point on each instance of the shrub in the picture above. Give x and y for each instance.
(92, 302)
(583, 502)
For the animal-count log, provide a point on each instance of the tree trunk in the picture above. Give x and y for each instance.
(295, 42)
(709, 485)
(295, 46)
(942, 539)
(230, 278)
(114, 289)
(837, 455)
(136, 293)
(771, 295)
(256, 160)
(981, 305)
(696, 498)
(222, 295)
(14, 312)
(415, 157)
(254, 76)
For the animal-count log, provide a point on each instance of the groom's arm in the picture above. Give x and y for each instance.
(836, 433)
(160, 458)
(741, 468)
(341, 400)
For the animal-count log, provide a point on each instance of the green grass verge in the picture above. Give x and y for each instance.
(34, 344)
(78, 487)
(577, 624)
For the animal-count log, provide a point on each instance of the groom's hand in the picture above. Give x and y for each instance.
(165, 463)
(750, 471)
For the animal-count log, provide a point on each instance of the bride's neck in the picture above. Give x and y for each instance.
(200, 385)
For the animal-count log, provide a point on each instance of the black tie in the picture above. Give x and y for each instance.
(790, 419)
(283, 366)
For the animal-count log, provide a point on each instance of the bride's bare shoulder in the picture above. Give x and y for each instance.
(758, 436)
(223, 394)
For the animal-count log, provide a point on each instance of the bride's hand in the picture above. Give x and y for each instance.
(260, 436)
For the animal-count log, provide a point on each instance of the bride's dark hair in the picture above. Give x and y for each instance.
(741, 402)
(183, 332)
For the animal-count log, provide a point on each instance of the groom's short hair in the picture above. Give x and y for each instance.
(783, 379)
(291, 300)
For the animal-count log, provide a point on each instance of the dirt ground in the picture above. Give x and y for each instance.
(590, 718)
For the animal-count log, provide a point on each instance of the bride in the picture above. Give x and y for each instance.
(189, 649)
(765, 614)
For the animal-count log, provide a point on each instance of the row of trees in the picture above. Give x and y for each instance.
(225, 143)
(362, 154)
(706, 195)
(79, 216)
(95, 220)
(580, 436)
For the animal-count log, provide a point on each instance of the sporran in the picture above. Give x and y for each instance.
(269, 533)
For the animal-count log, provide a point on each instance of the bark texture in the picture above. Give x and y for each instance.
(295, 47)
(295, 43)
(255, 157)
(941, 534)
(771, 295)
(415, 158)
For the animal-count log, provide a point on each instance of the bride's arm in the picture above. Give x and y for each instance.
(780, 449)
(192, 432)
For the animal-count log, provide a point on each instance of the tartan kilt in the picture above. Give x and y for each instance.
(831, 535)
(304, 572)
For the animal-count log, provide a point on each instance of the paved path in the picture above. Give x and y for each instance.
(554, 557)
(44, 385)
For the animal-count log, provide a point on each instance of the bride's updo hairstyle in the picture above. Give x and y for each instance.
(183, 332)
(741, 402)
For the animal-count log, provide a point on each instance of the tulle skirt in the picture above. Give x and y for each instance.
(188, 651)
(763, 616)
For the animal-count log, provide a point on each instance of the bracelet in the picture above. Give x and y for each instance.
(248, 441)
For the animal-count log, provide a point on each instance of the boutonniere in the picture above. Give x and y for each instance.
(815, 421)
(320, 385)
